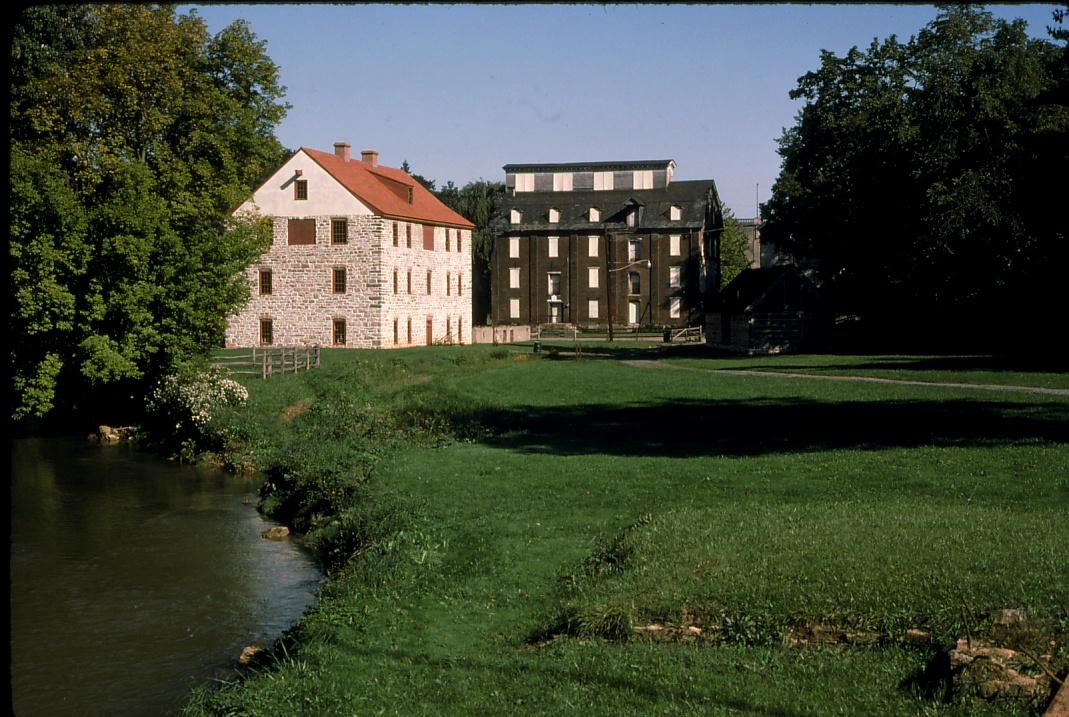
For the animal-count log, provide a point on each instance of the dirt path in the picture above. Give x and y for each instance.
(648, 363)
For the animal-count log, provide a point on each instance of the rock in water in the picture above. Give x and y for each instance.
(277, 533)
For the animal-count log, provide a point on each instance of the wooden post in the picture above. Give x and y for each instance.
(263, 361)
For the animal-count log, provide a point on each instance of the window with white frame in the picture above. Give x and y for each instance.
(675, 213)
(524, 182)
(514, 247)
(592, 246)
(554, 246)
(673, 307)
(674, 274)
(673, 245)
(595, 214)
(553, 283)
(514, 308)
(644, 179)
(514, 277)
(592, 308)
(562, 181)
(554, 216)
(515, 216)
(602, 181)
(592, 277)
(634, 249)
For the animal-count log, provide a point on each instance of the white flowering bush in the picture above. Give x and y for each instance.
(186, 405)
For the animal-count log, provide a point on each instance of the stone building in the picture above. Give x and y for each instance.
(362, 256)
(589, 243)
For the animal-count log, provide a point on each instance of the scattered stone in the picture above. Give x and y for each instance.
(984, 670)
(693, 630)
(279, 532)
(1007, 617)
(248, 653)
(1059, 706)
(819, 634)
(649, 628)
(116, 434)
(918, 637)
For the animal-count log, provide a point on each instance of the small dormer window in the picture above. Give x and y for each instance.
(300, 189)
(632, 218)
(595, 214)
(515, 216)
(554, 216)
(675, 213)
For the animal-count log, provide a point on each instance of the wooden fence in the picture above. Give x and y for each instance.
(691, 333)
(266, 362)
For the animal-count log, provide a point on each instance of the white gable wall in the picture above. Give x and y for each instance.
(325, 195)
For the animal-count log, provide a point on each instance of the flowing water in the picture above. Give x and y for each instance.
(134, 580)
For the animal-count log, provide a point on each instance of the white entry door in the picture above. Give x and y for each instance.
(632, 312)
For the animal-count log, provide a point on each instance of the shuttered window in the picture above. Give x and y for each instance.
(428, 237)
(301, 231)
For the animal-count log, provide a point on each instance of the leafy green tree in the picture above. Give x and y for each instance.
(733, 244)
(133, 133)
(918, 176)
(477, 202)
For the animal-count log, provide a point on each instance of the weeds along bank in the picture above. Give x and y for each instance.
(544, 537)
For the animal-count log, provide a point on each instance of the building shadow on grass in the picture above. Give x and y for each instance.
(766, 426)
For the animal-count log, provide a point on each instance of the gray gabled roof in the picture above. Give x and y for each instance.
(621, 165)
(692, 197)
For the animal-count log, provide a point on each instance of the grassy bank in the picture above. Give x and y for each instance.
(498, 524)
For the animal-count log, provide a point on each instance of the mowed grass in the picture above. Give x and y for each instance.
(587, 495)
(986, 370)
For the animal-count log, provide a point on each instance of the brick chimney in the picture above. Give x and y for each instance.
(370, 157)
(341, 149)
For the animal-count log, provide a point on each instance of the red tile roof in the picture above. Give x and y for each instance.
(385, 190)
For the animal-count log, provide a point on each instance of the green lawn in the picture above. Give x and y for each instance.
(585, 497)
(934, 369)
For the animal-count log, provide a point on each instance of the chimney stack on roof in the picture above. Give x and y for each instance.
(341, 149)
(370, 157)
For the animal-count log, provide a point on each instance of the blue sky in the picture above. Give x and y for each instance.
(460, 90)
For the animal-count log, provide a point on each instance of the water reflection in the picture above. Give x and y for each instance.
(133, 580)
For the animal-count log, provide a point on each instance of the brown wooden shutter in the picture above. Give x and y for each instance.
(302, 231)
(428, 237)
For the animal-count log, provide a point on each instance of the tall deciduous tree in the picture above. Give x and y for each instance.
(920, 177)
(477, 202)
(732, 249)
(133, 132)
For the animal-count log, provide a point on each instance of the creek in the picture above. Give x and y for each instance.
(134, 580)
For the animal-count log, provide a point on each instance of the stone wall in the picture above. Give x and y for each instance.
(303, 306)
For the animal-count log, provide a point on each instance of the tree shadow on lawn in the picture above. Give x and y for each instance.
(765, 426)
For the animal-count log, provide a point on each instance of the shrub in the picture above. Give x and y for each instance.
(182, 410)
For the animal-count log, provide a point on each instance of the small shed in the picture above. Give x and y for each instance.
(771, 310)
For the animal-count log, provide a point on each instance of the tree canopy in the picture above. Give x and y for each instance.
(133, 132)
(923, 179)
